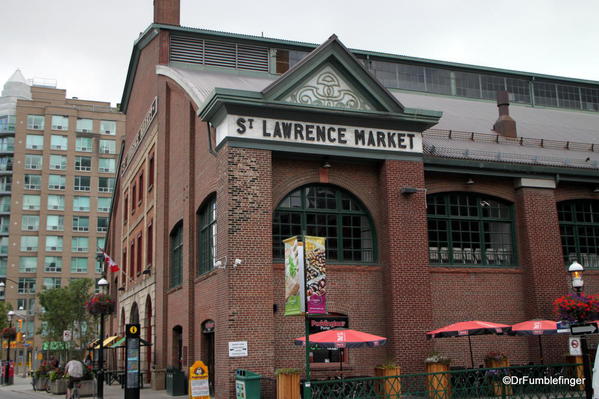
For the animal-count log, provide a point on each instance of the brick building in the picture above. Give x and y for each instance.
(440, 201)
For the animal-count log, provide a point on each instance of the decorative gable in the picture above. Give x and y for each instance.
(327, 88)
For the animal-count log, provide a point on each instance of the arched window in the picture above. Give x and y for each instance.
(470, 229)
(326, 211)
(207, 236)
(579, 228)
(176, 256)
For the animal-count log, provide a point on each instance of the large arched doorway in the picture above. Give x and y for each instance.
(177, 355)
(148, 337)
(134, 315)
(208, 350)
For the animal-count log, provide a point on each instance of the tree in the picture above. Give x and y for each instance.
(5, 307)
(64, 309)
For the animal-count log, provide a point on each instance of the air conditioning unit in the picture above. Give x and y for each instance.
(32, 207)
(29, 227)
(83, 149)
(52, 249)
(107, 131)
(81, 250)
(53, 227)
(59, 127)
(35, 147)
(106, 151)
(36, 126)
(84, 130)
(29, 248)
(55, 207)
(102, 209)
(57, 166)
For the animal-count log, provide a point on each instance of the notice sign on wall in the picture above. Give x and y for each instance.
(574, 344)
(238, 349)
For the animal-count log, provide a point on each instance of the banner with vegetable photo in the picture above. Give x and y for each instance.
(316, 276)
(294, 277)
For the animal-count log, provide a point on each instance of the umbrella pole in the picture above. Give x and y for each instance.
(341, 361)
(471, 357)
(541, 350)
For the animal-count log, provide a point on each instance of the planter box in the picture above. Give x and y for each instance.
(87, 388)
(58, 387)
(499, 388)
(288, 386)
(438, 385)
(392, 386)
(40, 383)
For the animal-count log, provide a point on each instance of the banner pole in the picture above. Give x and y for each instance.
(307, 383)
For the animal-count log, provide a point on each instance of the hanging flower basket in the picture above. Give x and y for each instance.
(577, 307)
(9, 333)
(100, 304)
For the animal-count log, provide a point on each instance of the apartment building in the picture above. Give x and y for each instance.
(58, 161)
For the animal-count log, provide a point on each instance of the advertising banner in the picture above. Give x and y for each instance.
(294, 277)
(315, 256)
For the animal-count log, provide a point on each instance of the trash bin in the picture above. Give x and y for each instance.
(176, 382)
(247, 384)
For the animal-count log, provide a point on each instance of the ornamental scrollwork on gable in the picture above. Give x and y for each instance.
(327, 89)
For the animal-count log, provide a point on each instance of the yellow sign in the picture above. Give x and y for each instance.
(133, 329)
(198, 381)
(40, 356)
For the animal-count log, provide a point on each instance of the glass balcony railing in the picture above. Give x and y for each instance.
(7, 128)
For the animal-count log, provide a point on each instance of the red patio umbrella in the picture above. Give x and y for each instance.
(341, 338)
(468, 328)
(535, 327)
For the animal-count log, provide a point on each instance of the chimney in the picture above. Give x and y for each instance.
(167, 12)
(505, 125)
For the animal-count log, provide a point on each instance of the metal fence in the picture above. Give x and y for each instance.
(527, 382)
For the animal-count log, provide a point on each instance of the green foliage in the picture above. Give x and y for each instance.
(4, 309)
(65, 310)
(288, 371)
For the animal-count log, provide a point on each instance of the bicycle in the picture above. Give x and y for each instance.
(75, 390)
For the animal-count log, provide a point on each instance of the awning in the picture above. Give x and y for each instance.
(121, 343)
(107, 341)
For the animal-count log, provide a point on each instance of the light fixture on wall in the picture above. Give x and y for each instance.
(596, 189)
(220, 263)
(237, 262)
(470, 181)
(326, 164)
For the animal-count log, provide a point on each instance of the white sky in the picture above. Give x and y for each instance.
(86, 44)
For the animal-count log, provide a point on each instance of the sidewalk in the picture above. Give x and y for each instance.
(23, 385)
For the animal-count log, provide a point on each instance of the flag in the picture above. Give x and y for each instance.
(111, 264)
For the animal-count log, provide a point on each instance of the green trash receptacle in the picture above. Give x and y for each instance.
(247, 384)
(176, 383)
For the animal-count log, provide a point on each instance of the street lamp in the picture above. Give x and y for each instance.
(7, 381)
(103, 286)
(576, 270)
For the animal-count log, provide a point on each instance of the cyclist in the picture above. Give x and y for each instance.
(74, 369)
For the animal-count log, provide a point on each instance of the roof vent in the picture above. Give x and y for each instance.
(505, 125)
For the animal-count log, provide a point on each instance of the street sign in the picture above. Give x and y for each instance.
(575, 347)
(581, 329)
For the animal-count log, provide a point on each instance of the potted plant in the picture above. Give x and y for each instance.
(438, 380)
(100, 304)
(288, 383)
(577, 308)
(498, 360)
(57, 383)
(40, 378)
(390, 370)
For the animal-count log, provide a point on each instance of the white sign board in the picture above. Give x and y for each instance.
(574, 345)
(66, 335)
(200, 388)
(320, 134)
(238, 349)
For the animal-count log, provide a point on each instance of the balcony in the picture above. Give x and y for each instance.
(8, 128)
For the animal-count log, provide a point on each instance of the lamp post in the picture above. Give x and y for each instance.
(576, 270)
(102, 284)
(7, 381)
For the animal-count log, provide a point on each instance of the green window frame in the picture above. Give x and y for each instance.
(176, 256)
(207, 236)
(326, 211)
(470, 229)
(579, 230)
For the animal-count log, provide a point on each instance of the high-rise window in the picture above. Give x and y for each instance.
(27, 264)
(4, 224)
(55, 223)
(5, 204)
(51, 282)
(102, 225)
(26, 285)
(34, 142)
(100, 242)
(57, 182)
(58, 162)
(141, 189)
(107, 147)
(82, 183)
(151, 172)
(30, 222)
(60, 122)
(5, 163)
(104, 204)
(108, 127)
(33, 182)
(53, 264)
(78, 265)
(81, 204)
(207, 239)
(83, 144)
(80, 223)
(35, 122)
(176, 256)
(33, 161)
(83, 164)
(80, 244)
(150, 244)
(105, 184)
(107, 165)
(85, 125)
(31, 202)
(54, 243)
(55, 202)
(29, 243)
(58, 142)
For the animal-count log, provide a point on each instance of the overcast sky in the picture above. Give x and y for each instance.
(85, 45)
